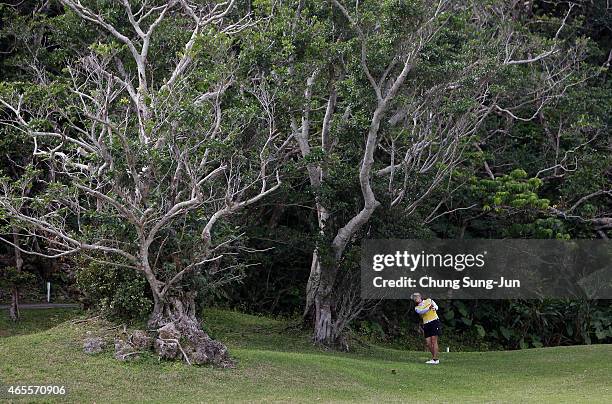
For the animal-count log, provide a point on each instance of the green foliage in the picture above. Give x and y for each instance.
(119, 293)
(510, 191)
(523, 324)
(371, 330)
(515, 203)
(10, 277)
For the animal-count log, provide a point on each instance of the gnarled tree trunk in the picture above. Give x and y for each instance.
(325, 330)
(174, 317)
(312, 287)
(14, 306)
(180, 335)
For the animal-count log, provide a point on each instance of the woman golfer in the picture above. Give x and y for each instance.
(427, 308)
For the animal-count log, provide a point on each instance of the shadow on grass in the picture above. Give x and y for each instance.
(35, 320)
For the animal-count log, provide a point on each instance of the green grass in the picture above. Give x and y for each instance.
(282, 366)
(34, 321)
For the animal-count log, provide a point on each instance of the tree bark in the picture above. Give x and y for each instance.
(174, 316)
(190, 343)
(315, 267)
(325, 332)
(14, 307)
(312, 286)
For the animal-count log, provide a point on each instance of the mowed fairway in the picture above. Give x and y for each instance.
(279, 365)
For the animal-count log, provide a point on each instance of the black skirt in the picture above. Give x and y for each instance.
(432, 328)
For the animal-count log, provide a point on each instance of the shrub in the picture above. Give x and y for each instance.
(118, 293)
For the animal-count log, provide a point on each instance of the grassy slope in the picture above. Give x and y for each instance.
(33, 321)
(275, 365)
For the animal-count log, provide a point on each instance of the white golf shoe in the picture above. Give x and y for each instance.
(433, 362)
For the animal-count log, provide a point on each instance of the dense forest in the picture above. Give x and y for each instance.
(162, 157)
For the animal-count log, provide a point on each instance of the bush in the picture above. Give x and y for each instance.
(118, 293)
(10, 278)
(533, 323)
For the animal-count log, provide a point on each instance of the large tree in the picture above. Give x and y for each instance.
(384, 99)
(142, 162)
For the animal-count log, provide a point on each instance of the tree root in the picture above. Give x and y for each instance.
(176, 341)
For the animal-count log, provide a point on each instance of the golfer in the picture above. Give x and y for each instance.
(427, 309)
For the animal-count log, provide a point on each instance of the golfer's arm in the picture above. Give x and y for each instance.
(421, 311)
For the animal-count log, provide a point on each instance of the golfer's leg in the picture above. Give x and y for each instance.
(434, 346)
(430, 345)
